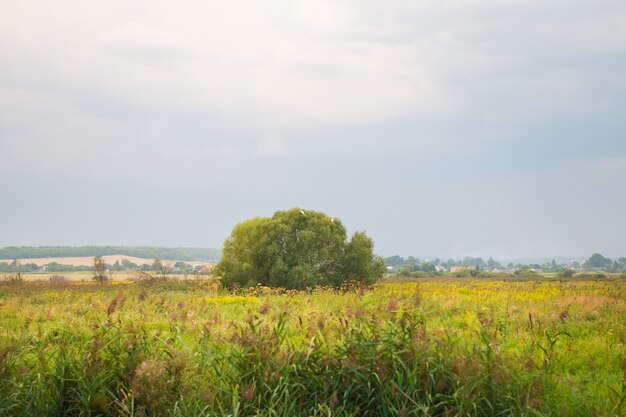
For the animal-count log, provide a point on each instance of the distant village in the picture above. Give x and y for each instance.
(412, 266)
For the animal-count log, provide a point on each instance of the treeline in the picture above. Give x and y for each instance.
(430, 265)
(6, 267)
(595, 263)
(180, 267)
(147, 252)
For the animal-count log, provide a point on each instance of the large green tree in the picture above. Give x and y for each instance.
(297, 249)
(597, 261)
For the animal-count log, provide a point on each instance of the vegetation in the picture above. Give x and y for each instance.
(100, 272)
(455, 348)
(16, 266)
(146, 252)
(567, 273)
(180, 267)
(416, 267)
(598, 261)
(296, 249)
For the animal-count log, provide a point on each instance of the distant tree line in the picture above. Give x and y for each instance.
(599, 262)
(412, 265)
(31, 267)
(180, 267)
(148, 252)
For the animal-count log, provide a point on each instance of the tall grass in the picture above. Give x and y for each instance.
(429, 349)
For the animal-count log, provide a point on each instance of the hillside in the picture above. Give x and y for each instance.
(145, 252)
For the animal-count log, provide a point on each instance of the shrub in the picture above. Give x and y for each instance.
(156, 383)
(592, 275)
(100, 272)
(297, 250)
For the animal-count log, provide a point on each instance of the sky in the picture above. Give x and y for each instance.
(441, 128)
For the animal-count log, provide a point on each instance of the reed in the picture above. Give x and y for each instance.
(433, 348)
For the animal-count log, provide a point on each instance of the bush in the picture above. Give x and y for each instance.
(419, 274)
(592, 275)
(295, 249)
(100, 271)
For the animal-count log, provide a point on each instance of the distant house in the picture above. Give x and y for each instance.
(440, 268)
(462, 268)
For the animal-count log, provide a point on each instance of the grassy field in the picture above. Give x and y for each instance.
(83, 276)
(433, 348)
(74, 276)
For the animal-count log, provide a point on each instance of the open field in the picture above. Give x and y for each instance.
(88, 261)
(73, 276)
(82, 276)
(433, 348)
(78, 276)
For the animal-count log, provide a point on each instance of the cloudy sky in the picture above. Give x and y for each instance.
(442, 128)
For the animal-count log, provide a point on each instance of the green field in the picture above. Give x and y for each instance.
(433, 348)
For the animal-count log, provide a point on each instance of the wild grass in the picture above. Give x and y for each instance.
(453, 348)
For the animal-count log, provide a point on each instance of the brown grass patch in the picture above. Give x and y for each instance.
(584, 302)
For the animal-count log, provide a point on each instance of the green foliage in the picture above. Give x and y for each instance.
(162, 271)
(477, 262)
(126, 264)
(597, 261)
(100, 271)
(398, 261)
(297, 249)
(566, 273)
(590, 275)
(492, 263)
(453, 348)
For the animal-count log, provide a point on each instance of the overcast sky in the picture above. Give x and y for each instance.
(441, 128)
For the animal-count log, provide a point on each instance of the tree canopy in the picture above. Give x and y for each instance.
(297, 249)
(597, 261)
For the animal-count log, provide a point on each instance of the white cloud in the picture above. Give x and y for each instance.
(114, 75)
(277, 64)
(143, 41)
(273, 146)
(285, 64)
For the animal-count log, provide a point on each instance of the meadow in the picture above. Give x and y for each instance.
(465, 347)
(85, 277)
